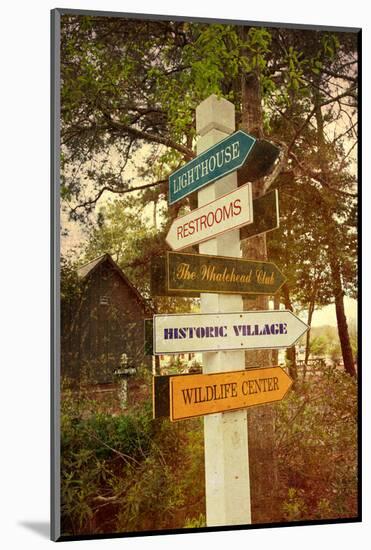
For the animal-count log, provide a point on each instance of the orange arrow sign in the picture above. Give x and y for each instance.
(201, 394)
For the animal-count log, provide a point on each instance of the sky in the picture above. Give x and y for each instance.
(327, 315)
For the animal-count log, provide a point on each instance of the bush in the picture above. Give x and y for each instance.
(316, 445)
(131, 473)
(128, 472)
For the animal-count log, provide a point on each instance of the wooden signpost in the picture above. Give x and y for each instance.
(224, 390)
(190, 274)
(227, 480)
(219, 160)
(230, 211)
(161, 394)
(198, 332)
(201, 394)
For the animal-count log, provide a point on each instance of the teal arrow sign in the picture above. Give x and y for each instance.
(219, 160)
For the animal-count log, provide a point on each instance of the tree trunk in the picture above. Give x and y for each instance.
(290, 352)
(155, 213)
(346, 348)
(276, 305)
(261, 420)
(311, 308)
(157, 365)
(307, 337)
(338, 291)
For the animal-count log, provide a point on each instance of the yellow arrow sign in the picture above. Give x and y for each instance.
(201, 394)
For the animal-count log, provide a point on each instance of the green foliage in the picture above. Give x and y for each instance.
(152, 500)
(294, 507)
(127, 434)
(325, 340)
(123, 233)
(319, 346)
(316, 445)
(200, 521)
(70, 284)
(121, 473)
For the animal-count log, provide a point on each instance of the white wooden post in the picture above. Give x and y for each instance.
(226, 439)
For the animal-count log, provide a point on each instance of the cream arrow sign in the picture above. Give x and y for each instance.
(188, 332)
(228, 212)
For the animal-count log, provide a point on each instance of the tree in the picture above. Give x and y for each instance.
(319, 345)
(130, 89)
(132, 243)
(327, 186)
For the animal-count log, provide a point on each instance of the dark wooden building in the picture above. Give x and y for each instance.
(102, 319)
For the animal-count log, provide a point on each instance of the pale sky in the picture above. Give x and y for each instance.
(327, 315)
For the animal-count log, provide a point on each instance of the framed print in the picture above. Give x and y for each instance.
(205, 198)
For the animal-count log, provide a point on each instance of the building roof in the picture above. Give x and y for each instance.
(84, 270)
(88, 269)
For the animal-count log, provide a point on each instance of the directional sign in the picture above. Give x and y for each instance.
(201, 394)
(184, 274)
(266, 216)
(228, 212)
(221, 274)
(219, 160)
(188, 332)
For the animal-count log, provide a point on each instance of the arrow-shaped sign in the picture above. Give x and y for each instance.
(192, 332)
(221, 274)
(187, 275)
(200, 394)
(228, 212)
(216, 162)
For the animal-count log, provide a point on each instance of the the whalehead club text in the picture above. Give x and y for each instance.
(210, 273)
(222, 331)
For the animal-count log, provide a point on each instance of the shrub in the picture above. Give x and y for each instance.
(128, 472)
(316, 445)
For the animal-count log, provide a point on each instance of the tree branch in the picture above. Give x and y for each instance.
(313, 111)
(338, 75)
(116, 190)
(147, 136)
(319, 179)
(278, 167)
